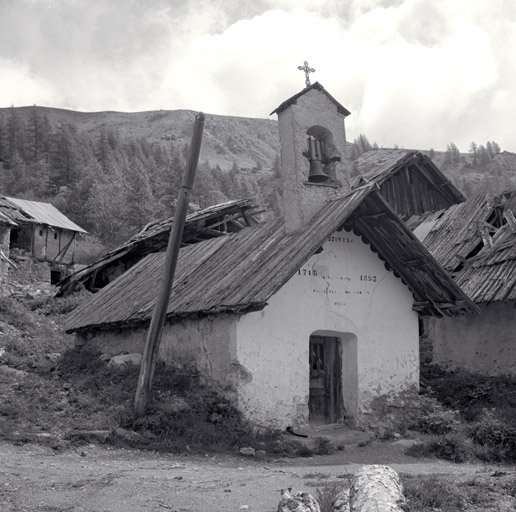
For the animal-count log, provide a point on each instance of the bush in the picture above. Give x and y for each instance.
(470, 393)
(497, 438)
(52, 306)
(78, 361)
(452, 447)
(324, 446)
(433, 418)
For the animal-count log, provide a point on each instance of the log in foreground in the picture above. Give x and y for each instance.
(373, 489)
(376, 489)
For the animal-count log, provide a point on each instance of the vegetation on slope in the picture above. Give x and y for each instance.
(471, 416)
(114, 172)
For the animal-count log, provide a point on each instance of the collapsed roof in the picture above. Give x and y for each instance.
(475, 242)
(211, 222)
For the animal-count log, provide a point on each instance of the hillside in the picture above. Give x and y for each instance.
(248, 143)
(113, 172)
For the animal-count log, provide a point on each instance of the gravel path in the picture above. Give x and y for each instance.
(94, 479)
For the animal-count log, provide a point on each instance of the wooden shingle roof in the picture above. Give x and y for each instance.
(491, 275)
(239, 272)
(475, 242)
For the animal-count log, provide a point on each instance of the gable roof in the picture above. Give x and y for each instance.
(205, 224)
(381, 165)
(292, 100)
(476, 242)
(36, 212)
(241, 271)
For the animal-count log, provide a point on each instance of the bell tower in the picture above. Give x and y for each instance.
(313, 152)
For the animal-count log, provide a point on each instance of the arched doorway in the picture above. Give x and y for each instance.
(333, 377)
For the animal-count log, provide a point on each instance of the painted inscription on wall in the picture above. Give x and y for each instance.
(345, 270)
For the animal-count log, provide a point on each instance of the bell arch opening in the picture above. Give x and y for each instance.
(322, 154)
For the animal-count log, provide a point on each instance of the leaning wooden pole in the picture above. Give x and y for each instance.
(150, 352)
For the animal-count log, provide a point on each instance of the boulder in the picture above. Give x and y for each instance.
(122, 359)
(247, 451)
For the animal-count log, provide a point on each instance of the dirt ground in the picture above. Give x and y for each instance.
(35, 478)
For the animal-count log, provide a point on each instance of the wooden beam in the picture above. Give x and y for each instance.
(511, 219)
(150, 353)
(373, 216)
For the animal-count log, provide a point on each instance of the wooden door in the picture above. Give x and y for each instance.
(325, 398)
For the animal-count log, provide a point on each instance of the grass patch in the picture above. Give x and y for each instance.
(430, 494)
(328, 495)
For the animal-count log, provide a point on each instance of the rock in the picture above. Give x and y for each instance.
(299, 502)
(53, 356)
(247, 451)
(120, 360)
(406, 442)
(341, 503)
(177, 404)
(90, 436)
(126, 435)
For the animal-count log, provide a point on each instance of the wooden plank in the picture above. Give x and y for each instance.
(511, 219)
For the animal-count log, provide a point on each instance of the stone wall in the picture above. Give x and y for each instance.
(483, 343)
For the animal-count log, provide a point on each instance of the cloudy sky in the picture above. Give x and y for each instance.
(417, 73)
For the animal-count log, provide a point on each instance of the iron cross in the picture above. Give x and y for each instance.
(307, 71)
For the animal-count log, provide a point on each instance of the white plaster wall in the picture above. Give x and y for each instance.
(484, 343)
(208, 343)
(344, 289)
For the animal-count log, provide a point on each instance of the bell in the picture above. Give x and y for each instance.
(316, 174)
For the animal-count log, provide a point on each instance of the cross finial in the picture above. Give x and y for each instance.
(307, 71)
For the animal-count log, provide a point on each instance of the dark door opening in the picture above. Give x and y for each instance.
(325, 398)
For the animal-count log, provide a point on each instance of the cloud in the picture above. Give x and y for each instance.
(17, 83)
(419, 73)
